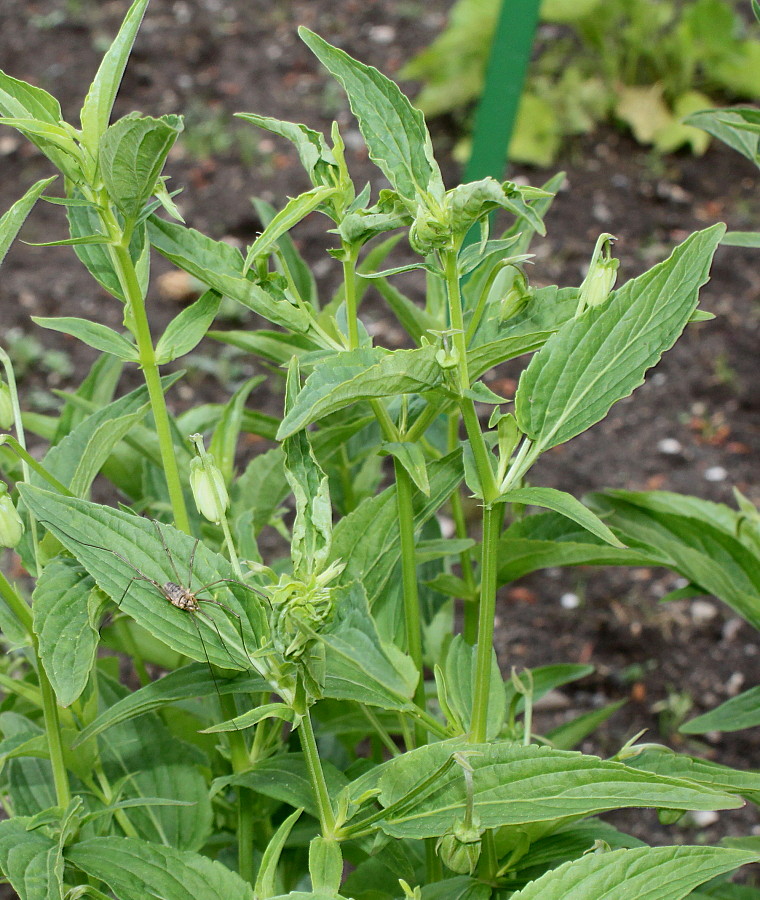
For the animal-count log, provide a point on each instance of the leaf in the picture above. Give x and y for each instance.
(222, 642)
(566, 505)
(602, 356)
(96, 110)
(646, 873)
(135, 869)
(394, 131)
(225, 438)
(354, 375)
(459, 671)
(132, 154)
(101, 337)
(468, 203)
(412, 458)
(742, 239)
(63, 622)
(183, 684)
(220, 266)
(296, 209)
(270, 345)
(266, 878)
(289, 259)
(545, 679)
(570, 734)
(187, 329)
(726, 125)
(679, 765)
(14, 218)
(252, 717)
(30, 860)
(261, 488)
(739, 712)
(325, 865)
(515, 785)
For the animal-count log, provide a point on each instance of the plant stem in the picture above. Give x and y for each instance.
(492, 517)
(53, 732)
(413, 625)
(240, 763)
(317, 776)
(350, 255)
(17, 605)
(465, 560)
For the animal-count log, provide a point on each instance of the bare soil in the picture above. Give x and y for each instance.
(209, 59)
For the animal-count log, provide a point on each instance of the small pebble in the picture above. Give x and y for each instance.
(382, 34)
(669, 446)
(731, 629)
(703, 817)
(702, 611)
(716, 473)
(734, 684)
(569, 601)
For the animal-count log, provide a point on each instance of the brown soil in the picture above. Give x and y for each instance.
(209, 59)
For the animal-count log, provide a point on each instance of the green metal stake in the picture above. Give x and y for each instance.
(505, 76)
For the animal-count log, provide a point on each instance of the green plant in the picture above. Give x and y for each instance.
(328, 762)
(643, 64)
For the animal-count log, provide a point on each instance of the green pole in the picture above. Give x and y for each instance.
(505, 76)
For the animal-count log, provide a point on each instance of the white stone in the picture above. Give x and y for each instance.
(669, 446)
(716, 473)
(569, 601)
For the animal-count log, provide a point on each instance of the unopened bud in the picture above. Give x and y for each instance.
(601, 276)
(11, 526)
(6, 407)
(459, 849)
(207, 483)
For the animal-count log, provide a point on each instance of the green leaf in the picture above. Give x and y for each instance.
(218, 636)
(325, 865)
(412, 459)
(252, 717)
(468, 203)
(570, 734)
(224, 440)
(288, 258)
(183, 684)
(65, 627)
(14, 218)
(678, 765)
(312, 528)
(646, 873)
(547, 678)
(266, 878)
(30, 860)
(101, 337)
(28, 780)
(261, 488)
(415, 321)
(394, 131)
(566, 505)
(459, 674)
(291, 214)
(96, 110)
(727, 126)
(602, 356)
(742, 239)
(270, 345)
(220, 266)
(132, 154)
(520, 785)
(739, 712)
(187, 329)
(354, 375)
(136, 869)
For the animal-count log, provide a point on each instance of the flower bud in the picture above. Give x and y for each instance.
(459, 849)
(6, 407)
(601, 276)
(209, 489)
(11, 526)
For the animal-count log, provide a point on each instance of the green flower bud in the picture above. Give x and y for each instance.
(6, 407)
(11, 526)
(209, 489)
(601, 276)
(459, 849)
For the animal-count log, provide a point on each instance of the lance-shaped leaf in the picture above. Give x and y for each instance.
(468, 203)
(96, 110)
(312, 528)
(729, 126)
(14, 218)
(220, 266)
(94, 334)
(739, 712)
(30, 860)
(353, 375)
(132, 154)
(188, 328)
(646, 873)
(135, 869)
(394, 131)
(520, 785)
(602, 356)
(95, 534)
(566, 505)
(665, 762)
(64, 622)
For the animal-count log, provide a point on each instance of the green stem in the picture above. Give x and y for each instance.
(17, 605)
(33, 464)
(317, 776)
(241, 763)
(130, 284)
(54, 740)
(492, 518)
(412, 620)
(350, 255)
(465, 560)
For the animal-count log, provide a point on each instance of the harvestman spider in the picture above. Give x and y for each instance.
(178, 595)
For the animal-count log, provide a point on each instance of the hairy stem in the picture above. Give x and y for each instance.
(317, 776)
(240, 763)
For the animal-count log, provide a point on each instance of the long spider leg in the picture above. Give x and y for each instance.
(190, 566)
(232, 613)
(205, 653)
(168, 551)
(116, 553)
(241, 584)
